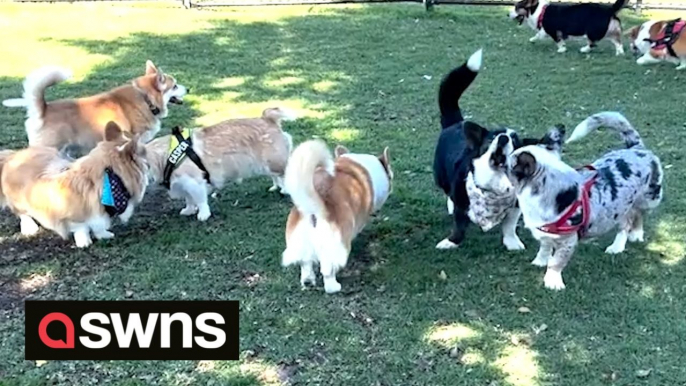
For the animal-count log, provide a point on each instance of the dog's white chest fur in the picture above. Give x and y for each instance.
(381, 186)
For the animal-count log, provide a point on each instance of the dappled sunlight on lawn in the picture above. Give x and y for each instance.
(451, 334)
(344, 135)
(519, 365)
(669, 240)
(36, 281)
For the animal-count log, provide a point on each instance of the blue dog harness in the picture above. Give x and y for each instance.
(115, 197)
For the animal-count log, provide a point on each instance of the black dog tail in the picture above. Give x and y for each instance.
(618, 5)
(452, 87)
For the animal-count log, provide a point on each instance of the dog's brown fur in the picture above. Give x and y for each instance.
(334, 200)
(347, 197)
(232, 150)
(82, 121)
(679, 46)
(40, 183)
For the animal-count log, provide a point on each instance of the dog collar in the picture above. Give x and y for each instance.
(539, 23)
(564, 226)
(115, 197)
(153, 109)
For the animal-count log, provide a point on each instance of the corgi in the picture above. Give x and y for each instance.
(230, 151)
(136, 108)
(660, 40)
(559, 21)
(562, 206)
(66, 196)
(334, 199)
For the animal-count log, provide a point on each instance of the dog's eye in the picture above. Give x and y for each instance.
(175, 87)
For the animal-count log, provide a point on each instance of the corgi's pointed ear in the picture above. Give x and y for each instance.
(385, 160)
(150, 68)
(340, 150)
(161, 81)
(112, 132)
(385, 157)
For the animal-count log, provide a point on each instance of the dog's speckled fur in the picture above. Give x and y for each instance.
(629, 183)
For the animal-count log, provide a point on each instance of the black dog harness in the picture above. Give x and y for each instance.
(666, 39)
(115, 197)
(179, 153)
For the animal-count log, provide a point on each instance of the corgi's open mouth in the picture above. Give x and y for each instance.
(175, 100)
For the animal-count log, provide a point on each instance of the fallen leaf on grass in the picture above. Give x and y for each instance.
(643, 373)
(443, 276)
(523, 310)
(540, 329)
(40, 363)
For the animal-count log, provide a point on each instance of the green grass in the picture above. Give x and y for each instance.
(357, 76)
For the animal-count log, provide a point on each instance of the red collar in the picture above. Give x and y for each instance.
(562, 226)
(539, 24)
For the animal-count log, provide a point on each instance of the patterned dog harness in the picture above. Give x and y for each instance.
(668, 36)
(115, 197)
(566, 224)
(182, 145)
(487, 209)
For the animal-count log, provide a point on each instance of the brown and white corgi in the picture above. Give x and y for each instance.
(230, 151)
(66, 196)
(136, 108)
(334, 200)
(660, 40)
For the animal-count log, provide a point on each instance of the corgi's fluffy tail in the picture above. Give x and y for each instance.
(278, 114)
(299, 176)
(611, 120)
(34, 89)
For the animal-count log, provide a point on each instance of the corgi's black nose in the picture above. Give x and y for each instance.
(188, 90)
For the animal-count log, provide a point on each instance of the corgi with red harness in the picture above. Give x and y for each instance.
(562, 205)
(660, 41)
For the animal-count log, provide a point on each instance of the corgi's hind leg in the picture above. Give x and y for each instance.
(333, 253)
(299, 250)
(195, 193)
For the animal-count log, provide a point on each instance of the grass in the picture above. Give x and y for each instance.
(365, 77)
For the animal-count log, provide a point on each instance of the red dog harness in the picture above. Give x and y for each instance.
(563, 225)
(539, 24)
(668, 36)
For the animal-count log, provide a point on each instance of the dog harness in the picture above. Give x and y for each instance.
(181, 145)
(668, 36)
(565, 225)
(115, 198)
(539, 23)
(486, 208)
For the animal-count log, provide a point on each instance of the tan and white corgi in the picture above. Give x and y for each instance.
(660, 40)
(232, 150)
(136, 108)
(66, 196)
(334, 200)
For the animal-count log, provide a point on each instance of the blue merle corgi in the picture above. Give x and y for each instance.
(561, 205)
